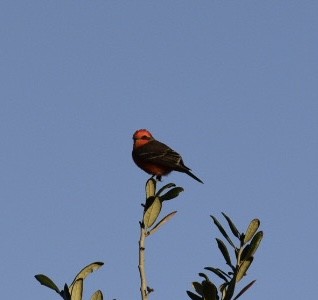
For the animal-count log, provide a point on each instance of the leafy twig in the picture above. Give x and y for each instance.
(148, 225)
(249, 242)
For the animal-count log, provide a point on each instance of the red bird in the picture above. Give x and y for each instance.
(156, 158)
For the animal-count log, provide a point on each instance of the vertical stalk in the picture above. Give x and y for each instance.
(142, 269)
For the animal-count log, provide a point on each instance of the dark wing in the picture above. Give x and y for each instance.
(160, 154)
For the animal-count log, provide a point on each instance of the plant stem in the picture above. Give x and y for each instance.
(142, 271)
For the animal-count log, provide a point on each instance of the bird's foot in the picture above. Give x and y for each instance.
(158, 177)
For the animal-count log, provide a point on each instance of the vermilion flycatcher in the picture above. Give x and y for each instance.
(156, 158)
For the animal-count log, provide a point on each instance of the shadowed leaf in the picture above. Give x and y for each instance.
(198, 287)
(222, 289)
(256, 240)
(243, 269)
(210, 291)
(149, 202)
(48, 282)
(167, 186)
(244, 290)
(161, 222)
(229, 290)
(193, 296)
(204, 276)
(245, 253)
(152, 212)
(66, 293)
(251, 248)
(98, 295)
(251, 229)
(221, 229)
(219, 273)
(171, 194)
(232, 226)
(225, 252)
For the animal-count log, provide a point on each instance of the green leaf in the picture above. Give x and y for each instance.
(98, 295)
(251, 229)
(150, 188)
(219, 273)
(232, 226)
(244, 290)
(198, 287)
(225, 252)
(152, 213)
(193, 296)
(245, 254)
(149, 202)
(222, 289)
(256, 240)
(251, 248)
(171, 194)
(243, 269)
(210, 291)
(221, 229)
(162, 222)
(167, 186)
(204, 276)
(82, 274)
(77, 290)
(65, 293)
(48, 282)
(229, 291)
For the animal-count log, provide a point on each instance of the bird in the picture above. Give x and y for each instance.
(157, 158)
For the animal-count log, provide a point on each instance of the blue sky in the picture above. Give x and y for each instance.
(231, 85)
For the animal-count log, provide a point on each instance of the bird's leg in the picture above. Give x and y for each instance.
(158, 177)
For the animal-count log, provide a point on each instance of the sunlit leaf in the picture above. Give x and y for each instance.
(77, 290)
(244, 290)
(152, 212)
(251, 230)
(150, 188)
(171, 194)
(232, 226)
(243, 268)
(162, 222)
(225, 252)
(221, 229)
(82, 274)
(48, 282)
(98, 295)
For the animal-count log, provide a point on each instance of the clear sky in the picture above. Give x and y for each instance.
(231, 85)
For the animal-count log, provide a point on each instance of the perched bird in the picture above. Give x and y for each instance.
(156, 158)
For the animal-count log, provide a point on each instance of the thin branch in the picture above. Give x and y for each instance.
(144, 289)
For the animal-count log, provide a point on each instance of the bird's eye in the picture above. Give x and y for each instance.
(145, 137)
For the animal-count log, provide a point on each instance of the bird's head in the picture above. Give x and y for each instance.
(141, 137)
